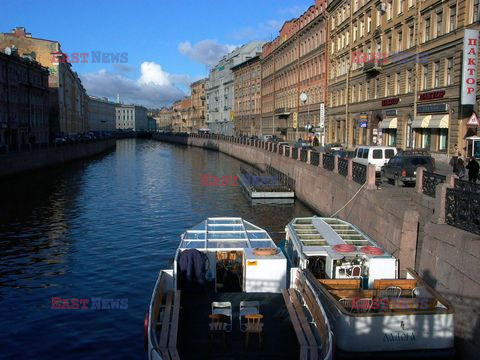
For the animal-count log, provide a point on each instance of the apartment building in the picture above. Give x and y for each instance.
(68, 98)
(101, 114)
(220, 88)
(198, 104)
(396, 71)
(247, 97)
(131, 117)
(23, 101)
(295, 63)
(182, 115)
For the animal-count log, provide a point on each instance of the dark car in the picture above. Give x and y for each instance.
(402, 168)
(339, 153)
(303, 144)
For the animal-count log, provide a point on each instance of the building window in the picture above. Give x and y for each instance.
(400, 6)
(476, 9)
(411, 3)
(409, 80)
(436, 74)
(367, 90)
(426, 34)
(449, 71)
(362, 28)
(376, 89)
(440, 23)
(378, 18)
(442, 139)
(453, 17)
(387, 85)
(411, 35)
(399, 39)
(369, 21)
(397, 84)
(355, 32)
(389, 10)
(389, 45)
(425, 77)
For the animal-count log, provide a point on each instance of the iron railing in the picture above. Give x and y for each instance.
(281, 149)
(467, 186)
(328, 162)
(430, 181)
(295, 153)
(303, 155)
(314, 158)
(343, 166)
(462, 209)
(287, 151)
(359, 173)
(283, 179)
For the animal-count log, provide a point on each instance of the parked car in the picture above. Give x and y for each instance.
(60, 141)
(375, 155)
(267, 137)
(339, 153)
(402, 168)
(303, 144)
(333, 147)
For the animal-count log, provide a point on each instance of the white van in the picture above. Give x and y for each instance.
(375, 155)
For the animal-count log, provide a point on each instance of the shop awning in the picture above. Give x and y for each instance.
(388, 123)
(431, 121)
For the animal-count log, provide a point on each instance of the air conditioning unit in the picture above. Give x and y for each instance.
(382, 7)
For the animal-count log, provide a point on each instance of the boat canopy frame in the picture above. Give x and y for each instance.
(225, 234)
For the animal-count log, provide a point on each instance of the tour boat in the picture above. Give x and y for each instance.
(230, 285)
(370, 309)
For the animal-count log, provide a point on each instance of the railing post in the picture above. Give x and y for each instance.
(450, 181)
(291, 152)
(371, 177)
(440, 200)
(309, 156)
(299, 154)
(320, 160)
(419, 181)
(350, 169)
(335, 164)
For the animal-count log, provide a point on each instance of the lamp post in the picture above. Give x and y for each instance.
(304, 99)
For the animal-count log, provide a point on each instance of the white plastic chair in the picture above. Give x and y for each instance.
(347, 303)
(247, 308)
(392, 291)
(223, 308)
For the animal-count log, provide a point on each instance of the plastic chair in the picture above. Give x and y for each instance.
(392, 291)
(218, 324)
(223, 308)
(347, 303)
(247, 308)
(363, 305)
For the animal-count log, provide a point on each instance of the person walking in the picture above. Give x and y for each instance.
(460, 169)
(473, 169)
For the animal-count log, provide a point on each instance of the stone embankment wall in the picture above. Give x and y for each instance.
(399, 219)
(14, 163)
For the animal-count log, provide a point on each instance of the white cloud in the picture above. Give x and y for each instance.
(207, 52)
(154, 88)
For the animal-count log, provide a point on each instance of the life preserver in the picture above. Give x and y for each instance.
(372, 250)
(265, 251)
(145, 331)
(344, 248)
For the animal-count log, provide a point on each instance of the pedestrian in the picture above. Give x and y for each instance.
(473, 169)
(454, 161)
(460, 169)
(315, 141)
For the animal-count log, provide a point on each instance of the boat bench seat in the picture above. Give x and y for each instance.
(307, 334)
(167, 343)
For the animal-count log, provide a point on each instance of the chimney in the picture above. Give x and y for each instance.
(19, 31)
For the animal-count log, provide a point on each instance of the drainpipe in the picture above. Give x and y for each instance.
(348, 76)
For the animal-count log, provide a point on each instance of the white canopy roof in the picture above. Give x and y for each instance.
(225, 233)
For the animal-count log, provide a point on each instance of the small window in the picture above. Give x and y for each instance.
(365, 153)
(359, 153)
(389, 153)
(377, 154)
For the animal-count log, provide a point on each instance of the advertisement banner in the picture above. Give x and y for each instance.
(469, 67)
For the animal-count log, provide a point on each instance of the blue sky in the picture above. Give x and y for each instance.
(169, 43)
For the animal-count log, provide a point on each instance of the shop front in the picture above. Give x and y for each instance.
(387, 128)
(430, 128)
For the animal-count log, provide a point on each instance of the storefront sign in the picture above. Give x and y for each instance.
(322, 115)
(432, 95)
(392, 101)
(363, 124)
(469, 67)
(392, 112)
(432, 108)
(295, 120)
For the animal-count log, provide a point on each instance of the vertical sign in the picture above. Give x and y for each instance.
(469, 67)
(295, 120)
(322, 115)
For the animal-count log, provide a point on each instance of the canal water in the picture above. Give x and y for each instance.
(104, 227)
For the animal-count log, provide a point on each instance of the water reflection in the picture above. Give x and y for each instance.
(105, 227)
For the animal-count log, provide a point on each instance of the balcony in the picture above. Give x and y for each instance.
(372, 66)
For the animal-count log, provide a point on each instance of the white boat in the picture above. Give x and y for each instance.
(371, 310)
(241, 263)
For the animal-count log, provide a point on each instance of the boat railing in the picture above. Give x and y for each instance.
(304, 282)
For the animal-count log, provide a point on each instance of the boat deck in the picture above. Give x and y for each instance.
(279, 339)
